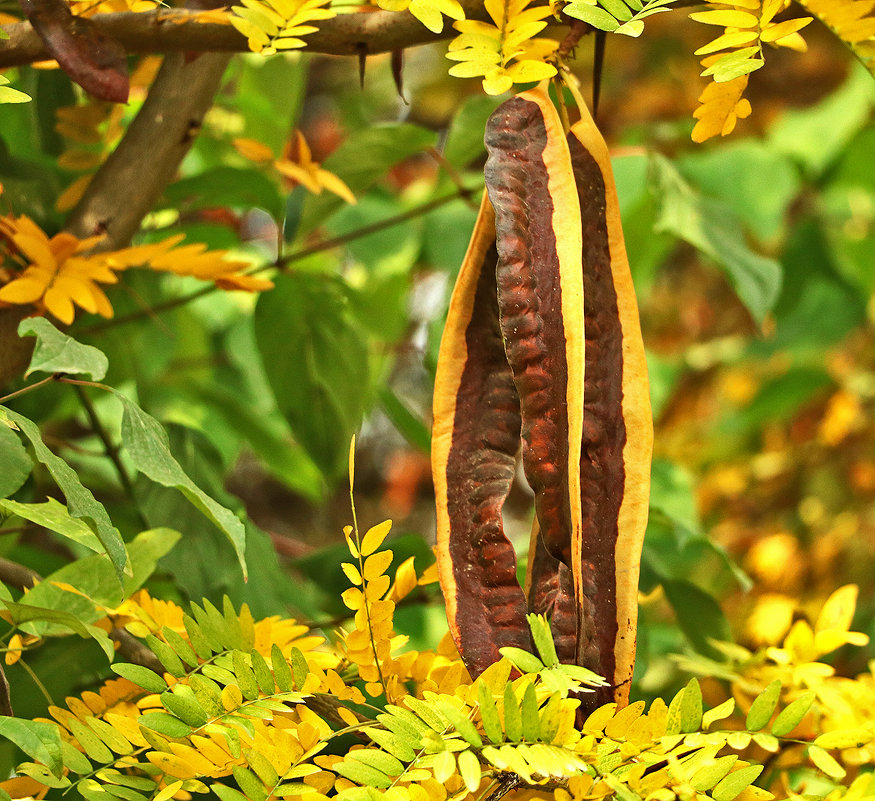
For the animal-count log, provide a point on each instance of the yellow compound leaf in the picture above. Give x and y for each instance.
(722, 105)
(377, 564)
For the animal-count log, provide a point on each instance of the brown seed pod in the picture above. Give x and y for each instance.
(474, 444)
(617, 428)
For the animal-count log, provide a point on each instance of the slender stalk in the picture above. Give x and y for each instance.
(29, 388)
(284, 262)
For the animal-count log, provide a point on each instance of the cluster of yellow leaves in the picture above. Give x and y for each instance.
(88, 8)
(272, 25)
(428, 12)
(303, 170)
(505, 51)
(853, 21)
(63, 271)
(732, 56)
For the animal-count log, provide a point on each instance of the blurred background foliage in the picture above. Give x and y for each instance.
(753, 260)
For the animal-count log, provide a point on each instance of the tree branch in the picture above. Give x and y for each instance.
(177, 30)
(131, 180)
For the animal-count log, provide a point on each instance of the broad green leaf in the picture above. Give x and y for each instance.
(282, 673)
(231, 187)
(698, 615)
(465, 136)
(317, 364)
(461, 723)
(80, 501)
(16, 463)
(29, 618)
(143, 677)
(763, 706)
(166, 655)
(54, 516)
(249, 783)
(146, 442)
(55, 352)
(735, 782)
(188, 710)
(362, 774)
(378, 759)
(711, 227)
(38, 739)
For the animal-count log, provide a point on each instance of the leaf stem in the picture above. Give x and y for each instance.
(29, 388)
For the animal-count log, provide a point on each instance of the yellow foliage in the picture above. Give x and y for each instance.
(853, 21)
(303, 171)
(504, 52)
(428, 12)
(732, 56)
(64, 272)
(273, 25)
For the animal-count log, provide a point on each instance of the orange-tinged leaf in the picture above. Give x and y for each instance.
(253, 150)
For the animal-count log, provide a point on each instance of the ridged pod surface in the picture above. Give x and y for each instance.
(474, 445)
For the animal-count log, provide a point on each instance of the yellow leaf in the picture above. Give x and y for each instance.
(780, 29)
(727, 18)
(351, 572)
(721, 105)
(374, 537)
(376, 565)
(169, 791)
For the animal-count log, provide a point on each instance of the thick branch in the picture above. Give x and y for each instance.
(131, 180)
(177, 30)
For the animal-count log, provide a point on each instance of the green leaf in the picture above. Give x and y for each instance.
(165, 724)
(712, 228)
(7, 93)
(38, 739)
(543, 637)
(249, 783)
(55, 352)
(378, 759)
(24, 614)
(262, 672)
(705, 778)
(522, 660)
(735, 782)
(317, 364)
(691, 707)
(188, 710)
(245, 676)
(362, 774)
(465, 136)
(147, 444)
(178, 643)
(282, 674)
(489, 714)
(407, 423)
(300, 669)
(699, 615)
(393, 743)
(166, 655)
(80, 501)
(461, 723)
(593, 15)
(93, 746)
(513, 725)
(16, 463)
(55, 517)
(529, 719)
(143, 677)
(617, 9)
(763, 706)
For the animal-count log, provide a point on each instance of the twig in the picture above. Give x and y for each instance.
(28, 388)
(173, 30)
(18, 575)
(132, 179)
(284, 262)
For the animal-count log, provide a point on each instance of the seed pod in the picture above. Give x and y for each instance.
(474, 444)
(617, 429)
(537, 220)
